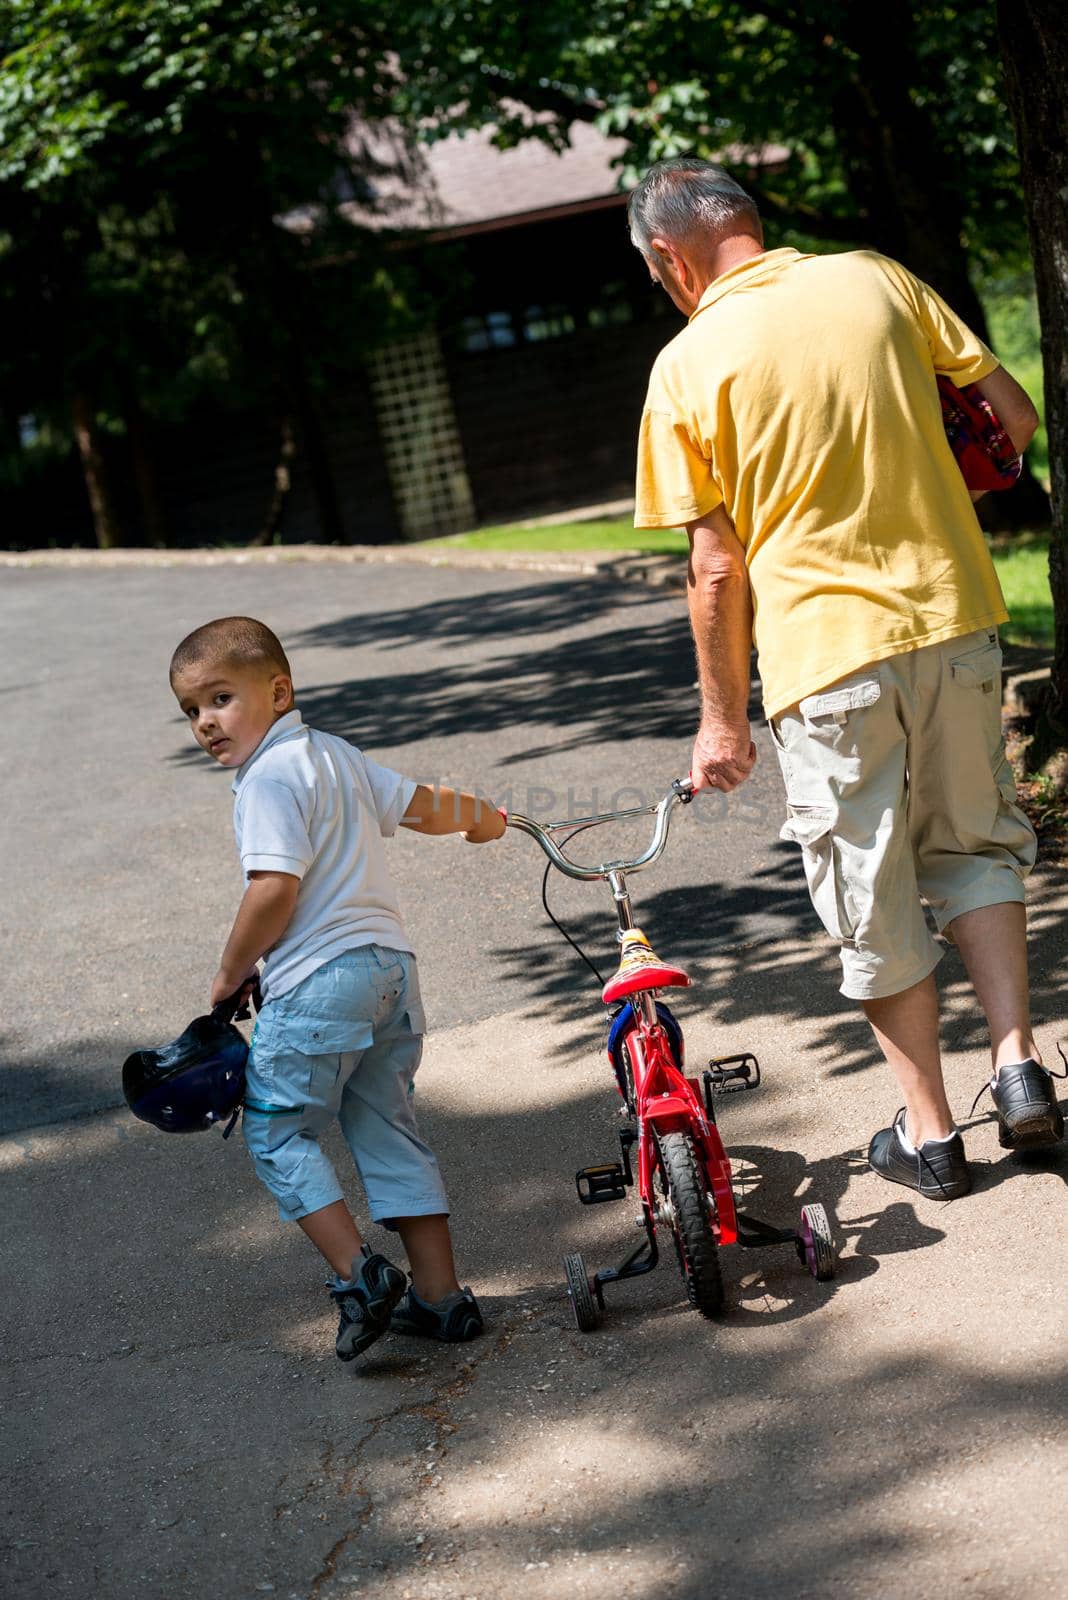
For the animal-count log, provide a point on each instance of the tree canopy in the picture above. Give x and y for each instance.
(148, 149)
(893, 115)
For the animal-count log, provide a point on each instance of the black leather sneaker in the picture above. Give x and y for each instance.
(366, 1302)
(1029, 1117)
(937, 1170)
(453, 1321)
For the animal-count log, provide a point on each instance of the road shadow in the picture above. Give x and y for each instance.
(142, 1212)
(626, 680)
(756, 952)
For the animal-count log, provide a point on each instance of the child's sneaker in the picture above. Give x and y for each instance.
(453, 1320)
(366, 1302)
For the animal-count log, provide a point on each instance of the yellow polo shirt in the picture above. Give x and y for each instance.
(801, 396)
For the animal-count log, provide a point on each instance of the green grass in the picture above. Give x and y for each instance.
(616, 534)
(1022, 561)
(1023, 568)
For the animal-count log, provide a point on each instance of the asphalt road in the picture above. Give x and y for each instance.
(553, 696)
(175, 1424)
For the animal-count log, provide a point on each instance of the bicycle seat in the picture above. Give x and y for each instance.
(641, 968)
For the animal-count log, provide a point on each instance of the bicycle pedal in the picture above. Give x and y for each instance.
(730, 1074)
(596, 1185)
(628, 1138)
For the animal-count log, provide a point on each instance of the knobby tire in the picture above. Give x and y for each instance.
(694, 1239)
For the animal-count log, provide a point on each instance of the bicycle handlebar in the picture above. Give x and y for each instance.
(680, 793)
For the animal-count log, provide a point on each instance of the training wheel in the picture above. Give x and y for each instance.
(815, 1242)
(580, 1293)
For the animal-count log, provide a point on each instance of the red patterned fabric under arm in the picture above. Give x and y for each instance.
(985, 454)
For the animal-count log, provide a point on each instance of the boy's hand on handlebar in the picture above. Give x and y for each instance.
(723, 755)
(490, 825)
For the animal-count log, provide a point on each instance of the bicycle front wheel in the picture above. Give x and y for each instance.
(683, 1197)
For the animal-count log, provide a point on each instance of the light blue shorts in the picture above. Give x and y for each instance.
(343, 1046)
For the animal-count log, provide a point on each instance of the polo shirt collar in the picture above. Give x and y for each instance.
(291, 723)
(747, 272)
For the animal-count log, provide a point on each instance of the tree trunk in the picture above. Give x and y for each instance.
(1034, 42)
(895, 170)
(12, 444)
(320, 471)
(94, 469)
(154, 525)
(900, 180)
(285, 291)
(283, 482)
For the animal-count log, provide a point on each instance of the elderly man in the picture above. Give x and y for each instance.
(794, 426)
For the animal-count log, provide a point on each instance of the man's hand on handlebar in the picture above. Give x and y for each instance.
(723, 755)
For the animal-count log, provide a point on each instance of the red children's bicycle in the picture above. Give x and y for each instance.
(684, 1175)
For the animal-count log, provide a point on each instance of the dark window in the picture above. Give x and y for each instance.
(494, 331)
(612, 315)
(547, 322)
(612, 307)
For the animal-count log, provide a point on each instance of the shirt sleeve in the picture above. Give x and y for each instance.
(273, 832)
(391, 794)
(957, 353)
(675, 482)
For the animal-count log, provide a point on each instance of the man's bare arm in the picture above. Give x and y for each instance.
(1013, 409)
(721, 616)
(1012, 406)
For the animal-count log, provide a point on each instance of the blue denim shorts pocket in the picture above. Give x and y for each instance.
(415, 1015)
(312, 1034)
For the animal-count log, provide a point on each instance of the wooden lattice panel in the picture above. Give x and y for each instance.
(420, 438)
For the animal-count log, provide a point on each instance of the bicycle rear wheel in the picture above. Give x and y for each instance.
(682, 1187)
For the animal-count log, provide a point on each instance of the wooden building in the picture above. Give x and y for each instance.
(524, 398)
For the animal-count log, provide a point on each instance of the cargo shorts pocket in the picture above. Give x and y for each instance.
(834, 705)
(976, 693)
(812, 827)
(413, 1010)
(313, 1045)
(310, 1033)
(1013, 831)
(822, 739)
(979, 667)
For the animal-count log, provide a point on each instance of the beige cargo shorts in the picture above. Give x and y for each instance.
(898, 792)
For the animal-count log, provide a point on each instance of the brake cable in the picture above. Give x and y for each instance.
(557, 925)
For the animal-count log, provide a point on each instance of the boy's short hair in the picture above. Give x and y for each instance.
(230, 641)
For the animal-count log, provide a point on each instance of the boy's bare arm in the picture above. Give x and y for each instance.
(453, 811)
(262, 918)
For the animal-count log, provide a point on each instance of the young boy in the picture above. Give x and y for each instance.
(340, 1033)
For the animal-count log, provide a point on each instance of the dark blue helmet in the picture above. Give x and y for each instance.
(196, 1080)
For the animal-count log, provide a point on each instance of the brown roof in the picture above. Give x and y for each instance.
(465, 184)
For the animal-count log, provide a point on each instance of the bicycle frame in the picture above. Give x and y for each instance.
(694, 1198)
(664, 1100)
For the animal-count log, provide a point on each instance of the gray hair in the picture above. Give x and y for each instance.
(680, 199)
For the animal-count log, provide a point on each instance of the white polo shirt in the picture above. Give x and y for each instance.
(311, 804)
